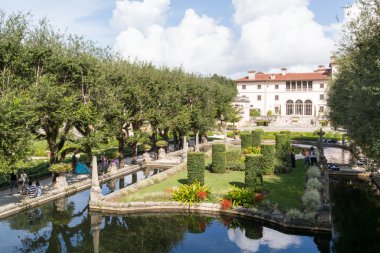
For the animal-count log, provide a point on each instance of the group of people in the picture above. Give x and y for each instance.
(28, 188)
(310, 157)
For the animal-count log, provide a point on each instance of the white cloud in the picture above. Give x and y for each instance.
(271, 34)
(139, 15)
(271, 238)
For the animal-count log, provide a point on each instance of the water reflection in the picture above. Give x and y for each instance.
(338, 155)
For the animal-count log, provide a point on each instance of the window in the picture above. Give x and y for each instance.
(299, 107)
(299, 85)
(321, 97)
(258, 97)
(243, 87)
(259, 86)
(276, 86)
(321, 109)
(276, 97)
(322, 86)
(251, 106)
(310, 85)
(276, 110)
(308, 107)
(289, 107)
(304, 86)
(287, 86)
(293, 86)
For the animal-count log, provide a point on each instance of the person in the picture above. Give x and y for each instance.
(313, 158)
(293, 159)
(32, 190)
(39, 189)
(74, 163)
(307, 158)
(24, 181)
(13, 182)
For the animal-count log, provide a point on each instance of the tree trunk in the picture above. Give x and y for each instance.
(121, 141)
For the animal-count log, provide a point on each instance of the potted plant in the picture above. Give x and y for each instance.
(59, 169)
(162, 145)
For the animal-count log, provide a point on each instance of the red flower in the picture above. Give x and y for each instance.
(202, 195)
(259, 197)
(226, 204)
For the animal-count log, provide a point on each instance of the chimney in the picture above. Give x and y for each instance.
(272, 76)
(251, 74)
(283, 71)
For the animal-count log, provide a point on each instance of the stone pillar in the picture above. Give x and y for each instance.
(112, 169)
(197, 142)
(95, 193)
(96, 220)
(185, 147)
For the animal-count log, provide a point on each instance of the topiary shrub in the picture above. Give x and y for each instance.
(234, 160)
(253, 171)
(283, 149)
(281, 141)
(246, 140)
(162, 144)
(313, 172)
(256, 138)
(60, 168)
(268, 152)
(311, 200)
(195, 167)
(218, 158)
(313, 183)
(294, 214)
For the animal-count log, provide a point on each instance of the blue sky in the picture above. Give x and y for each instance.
(207, 36)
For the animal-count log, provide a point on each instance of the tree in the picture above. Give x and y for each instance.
(354, 96)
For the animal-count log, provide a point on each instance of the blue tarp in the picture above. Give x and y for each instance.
(81, 169)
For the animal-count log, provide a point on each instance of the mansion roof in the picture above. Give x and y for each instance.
(279, 77)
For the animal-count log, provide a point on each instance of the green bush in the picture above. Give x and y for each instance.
(282, 141)
(246, 140)
(60, 168)
(313, 172)
(268, 152)
(253, 171)
(196, 167)
(218, 158)
(193, 193)
(241, 196)
(162, 144)
(256, 138)
(252, 150)
(287, 133)
(313, 183)
(110, 153)
(294, 214)
(234, 160)
(311, 200)
(283, 149)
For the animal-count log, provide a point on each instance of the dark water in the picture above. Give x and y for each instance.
(67, 226)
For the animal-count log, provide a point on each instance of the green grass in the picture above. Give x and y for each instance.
(284, 189)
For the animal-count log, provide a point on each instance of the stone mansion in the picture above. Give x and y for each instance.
(293, 97)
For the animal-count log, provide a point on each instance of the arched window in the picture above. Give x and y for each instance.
(308, 107)
(299, 107)
(289, 107)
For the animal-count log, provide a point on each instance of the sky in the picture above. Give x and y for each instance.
(226, 37)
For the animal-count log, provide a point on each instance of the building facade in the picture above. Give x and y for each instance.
(285, 95)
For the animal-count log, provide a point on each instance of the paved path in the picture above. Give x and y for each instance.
(46, 183)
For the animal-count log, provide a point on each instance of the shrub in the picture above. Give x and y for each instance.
(162, 144)
(246, 140)
(218, 158)
(309, 215)
(253, 171)
(313, 183)
(110, 153)
(313, 172)
(147, 147)
(234, 160)
(226, 204)
(268, 153)
(256, 138)
(294, 214)
(282, 141)
(195, 167)
(311, 200)
(60, 168)
(241, 196)
(287, 133)
(283, 149)
(193, 193)
(252, 150)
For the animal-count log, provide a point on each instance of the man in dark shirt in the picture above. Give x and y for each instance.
(32, 190)
(13, 182)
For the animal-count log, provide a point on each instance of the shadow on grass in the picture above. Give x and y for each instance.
(182, 181)
(237, 184)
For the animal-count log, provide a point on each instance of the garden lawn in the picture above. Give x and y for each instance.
(284, 189)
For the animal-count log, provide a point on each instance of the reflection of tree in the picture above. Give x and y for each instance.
(253, 230)
(356, 216)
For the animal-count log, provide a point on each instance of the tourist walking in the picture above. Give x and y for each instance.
(24, 182)
(13, 182)
(307, 158)
(293, 159)
(313, 158)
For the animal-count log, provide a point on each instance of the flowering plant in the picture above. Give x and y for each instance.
(226, 204)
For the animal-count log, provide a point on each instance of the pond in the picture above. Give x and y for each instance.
(339, 155)
(67, 226)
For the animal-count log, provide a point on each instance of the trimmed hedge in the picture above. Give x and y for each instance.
(256, 138)
(253, 171)
(268, 152)
(195, 167)
(234, 161)
(281, 141)
(218, 158)
(246, 140)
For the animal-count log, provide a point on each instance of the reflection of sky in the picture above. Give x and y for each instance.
(272, 241)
